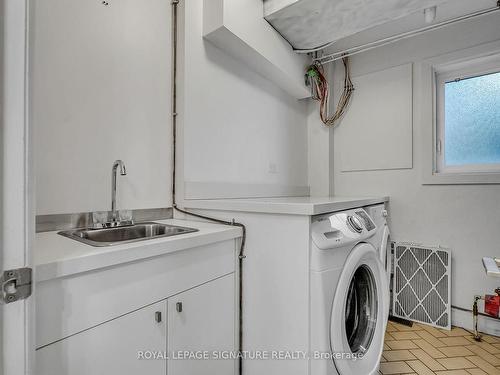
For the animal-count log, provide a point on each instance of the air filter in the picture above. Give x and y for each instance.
(422, 284)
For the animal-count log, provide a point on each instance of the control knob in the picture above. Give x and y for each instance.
(355, 224)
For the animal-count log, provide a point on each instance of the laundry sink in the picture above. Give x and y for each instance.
(125, 234)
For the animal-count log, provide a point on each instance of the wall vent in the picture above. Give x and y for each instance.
(422, 284)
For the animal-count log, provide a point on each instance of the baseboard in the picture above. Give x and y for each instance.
(221, 190)
(464, 319)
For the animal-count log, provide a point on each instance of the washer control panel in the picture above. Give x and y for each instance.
(341, 228)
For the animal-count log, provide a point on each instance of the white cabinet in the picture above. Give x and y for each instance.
(110, 348)
(201, 322)
(98, 322)
(71, 304)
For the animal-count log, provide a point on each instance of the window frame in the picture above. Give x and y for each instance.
(425, 111)
(467, 70)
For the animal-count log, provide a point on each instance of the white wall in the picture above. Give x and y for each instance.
(464, 218)
(320, 160)
(100, 91)
(238, 128)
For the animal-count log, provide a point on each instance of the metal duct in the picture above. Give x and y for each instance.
(310, 25)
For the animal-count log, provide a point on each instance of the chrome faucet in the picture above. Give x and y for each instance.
(123, 172)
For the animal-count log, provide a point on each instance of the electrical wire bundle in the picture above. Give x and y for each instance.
(321, 91)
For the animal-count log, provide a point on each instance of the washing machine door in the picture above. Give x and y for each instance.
(358, 313)
(385, 258)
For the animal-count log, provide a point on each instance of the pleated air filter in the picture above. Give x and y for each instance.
(422, 285)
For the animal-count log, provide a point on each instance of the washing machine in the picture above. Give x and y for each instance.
(381, 239)
(348, 306)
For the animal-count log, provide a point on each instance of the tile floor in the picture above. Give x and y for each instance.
(426, 350)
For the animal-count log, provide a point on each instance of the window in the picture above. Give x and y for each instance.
(457, 111)
(468, 118)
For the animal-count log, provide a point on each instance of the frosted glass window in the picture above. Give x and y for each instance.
(472, 121)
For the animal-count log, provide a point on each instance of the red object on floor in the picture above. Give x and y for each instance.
(491, 305)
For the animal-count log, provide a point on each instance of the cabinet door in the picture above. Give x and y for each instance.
(111, 348)
(203, 320)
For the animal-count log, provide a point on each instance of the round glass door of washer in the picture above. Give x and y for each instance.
(357, 323)
(361, 310)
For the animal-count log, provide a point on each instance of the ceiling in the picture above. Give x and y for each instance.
(341, 24)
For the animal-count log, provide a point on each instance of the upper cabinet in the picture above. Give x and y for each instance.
(238, 27)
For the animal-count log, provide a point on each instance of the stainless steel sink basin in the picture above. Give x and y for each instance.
(126, 234)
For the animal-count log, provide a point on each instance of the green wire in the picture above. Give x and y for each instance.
(312, 72)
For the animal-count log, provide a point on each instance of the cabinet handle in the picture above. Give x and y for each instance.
(178, 306)
(158, 316)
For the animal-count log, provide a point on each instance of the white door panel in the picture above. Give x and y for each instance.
(204, 322)
(111, 348)
(17, 215)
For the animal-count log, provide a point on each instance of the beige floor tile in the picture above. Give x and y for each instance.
(409, 335)
(456, 363)
(427, 359)
(414, 327)
(471, 338)
(395, 368)
(488, 347)
(403, 344)
(433, 340)
(476, 371)
(390, 327)
(388, 336)
(429, 349)
(491, 348)
(398, 355)
(456, 351)
(455, 341)
(483, 365)
(425, 350)
(491, 339)
(491, 358)
(455, 331)
(434, 331)
(420, 368)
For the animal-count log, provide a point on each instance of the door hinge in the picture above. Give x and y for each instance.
(16, 285)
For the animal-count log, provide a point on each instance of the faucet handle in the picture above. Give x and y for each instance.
(102, 219)
(125, 215)
(99, 218)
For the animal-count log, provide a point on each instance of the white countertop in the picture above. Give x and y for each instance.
(58, 256)
(491, 266)
(285, 205)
